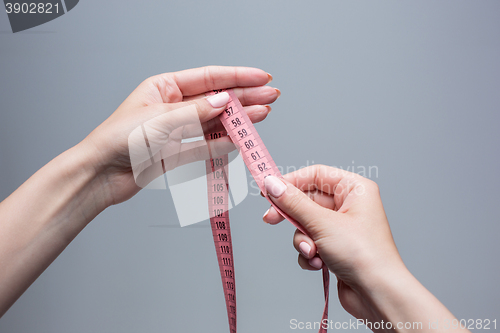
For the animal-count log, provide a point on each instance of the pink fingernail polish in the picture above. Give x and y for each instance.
(305, 249)
(218, 100)
(265, 214)
(274, 186)
(316, 262)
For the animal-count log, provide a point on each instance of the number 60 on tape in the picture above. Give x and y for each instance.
(260, 164)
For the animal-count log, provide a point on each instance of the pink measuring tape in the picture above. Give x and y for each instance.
(260, 164)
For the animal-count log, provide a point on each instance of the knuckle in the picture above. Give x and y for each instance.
(166, 85)
(150, 80)
(296, 240)
(170, 90)
(371, 185)
(198, 106)
(209, 77)
(294, 201)
(321, 167)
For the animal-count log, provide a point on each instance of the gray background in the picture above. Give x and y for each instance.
(409, 87)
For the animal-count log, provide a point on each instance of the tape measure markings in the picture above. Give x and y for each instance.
(218, 190)
(260, 164)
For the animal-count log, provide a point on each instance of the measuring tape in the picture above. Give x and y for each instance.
(260, 164)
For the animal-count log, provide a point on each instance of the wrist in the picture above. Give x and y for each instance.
(78, 165)
(42, 217)
(396, 296)
(388, 290)
(109, 163)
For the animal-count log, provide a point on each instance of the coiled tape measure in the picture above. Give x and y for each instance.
(260, 164)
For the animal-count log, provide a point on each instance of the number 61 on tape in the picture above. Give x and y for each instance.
(260, 164)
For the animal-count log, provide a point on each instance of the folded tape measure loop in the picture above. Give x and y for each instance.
(259, 162)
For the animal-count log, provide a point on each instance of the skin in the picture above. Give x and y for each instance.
(53, 206)
(342, 212)
(348, 230)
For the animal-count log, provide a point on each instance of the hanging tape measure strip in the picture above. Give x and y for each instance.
(260, 164)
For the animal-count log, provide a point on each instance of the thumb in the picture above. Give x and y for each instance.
(182, 119)
(210, 106)
(194, 111)
(315, 219)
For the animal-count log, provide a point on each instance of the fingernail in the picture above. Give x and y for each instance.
(278, 91)
(274, 186)
(305, 249)
(218, 100)
(316, 262)
(269, 77)
(265, 214)
(269, 109)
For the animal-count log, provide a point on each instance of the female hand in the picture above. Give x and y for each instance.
(348, 231)
(44, 214)
(170, 107)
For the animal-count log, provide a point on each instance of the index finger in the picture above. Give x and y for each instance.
(321, 177)
(199, 80)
